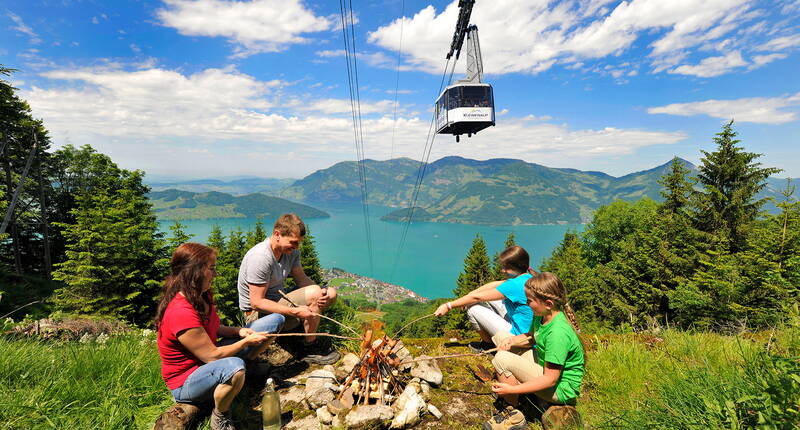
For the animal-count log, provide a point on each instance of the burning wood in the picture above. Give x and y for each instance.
(376, 376)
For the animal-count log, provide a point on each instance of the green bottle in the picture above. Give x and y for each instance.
(271, 407)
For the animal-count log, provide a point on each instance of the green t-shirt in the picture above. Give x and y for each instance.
(557, 343)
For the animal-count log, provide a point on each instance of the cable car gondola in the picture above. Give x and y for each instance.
(467, 106)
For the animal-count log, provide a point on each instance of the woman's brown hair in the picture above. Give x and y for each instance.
(515, 258)
(188, 275)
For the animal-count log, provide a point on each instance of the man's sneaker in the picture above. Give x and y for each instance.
(221, 421)
(508, 419)
(479, 347)
(316, 353)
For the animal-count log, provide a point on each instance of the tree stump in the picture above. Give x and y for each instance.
(561, 418)
(181, 416)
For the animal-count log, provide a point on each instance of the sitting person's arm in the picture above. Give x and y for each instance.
(484, 293)
(226, 331)
(196, 340)
(548, 380)
(523, 340)
(267, 306)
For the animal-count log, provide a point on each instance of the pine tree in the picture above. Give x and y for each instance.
(497, 269)
(178, 236)
(731, 178)
(226, 284)
(676, 187)
(113, 254)
(255, 236)
(476, 273)
(216, 240)
(310, 261)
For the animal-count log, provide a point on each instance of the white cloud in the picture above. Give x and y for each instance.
(253, 26)
(712, 66)
(532, 36)
(151, 118)
(781, 43)
(760, 60)
(24, 29)
(756, 109)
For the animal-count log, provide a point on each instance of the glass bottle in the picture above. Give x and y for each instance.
(271, 407)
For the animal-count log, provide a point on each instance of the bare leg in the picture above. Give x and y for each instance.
(226, 392)
(310, 324)
(512, 399)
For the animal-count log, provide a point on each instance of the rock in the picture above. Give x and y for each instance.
(561, 418)
(403, 354)
(427, 370)
(349, 362)
(324, 416)
(309, 422)
(338, 421)
(368, 416)
(435, 411)
(407, 408)
(341, 406)
(329, 368)
(425, 390)
(180, 416)
(316, 394)
(294, 394)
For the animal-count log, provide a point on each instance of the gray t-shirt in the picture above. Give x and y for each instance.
(259, 266)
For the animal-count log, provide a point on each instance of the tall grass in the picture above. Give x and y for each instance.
(73, 385)
(695, 381)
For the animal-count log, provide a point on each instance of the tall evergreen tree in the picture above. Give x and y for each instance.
(256, 236)
(216, 240)
(677, 188)
(476, 273)
(731, 178)
(309, 259)
(177, 236)
(497, 270)
(113, 254)
(225, 285)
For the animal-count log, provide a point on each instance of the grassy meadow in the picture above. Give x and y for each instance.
(667, 380)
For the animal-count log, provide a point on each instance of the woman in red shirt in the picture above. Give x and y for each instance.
(194, 366)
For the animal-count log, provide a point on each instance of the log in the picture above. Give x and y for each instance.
(181, 416)
(561, 418)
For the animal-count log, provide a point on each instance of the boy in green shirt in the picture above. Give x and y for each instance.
(556, 371)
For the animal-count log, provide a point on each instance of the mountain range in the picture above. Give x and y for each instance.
(178, 204)
(498, 191)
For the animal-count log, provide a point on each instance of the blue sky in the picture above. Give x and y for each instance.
(211, 88)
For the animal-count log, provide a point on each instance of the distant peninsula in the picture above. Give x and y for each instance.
(182, 205)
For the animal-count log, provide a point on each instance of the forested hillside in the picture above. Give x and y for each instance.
(497, 191)
(177, 204)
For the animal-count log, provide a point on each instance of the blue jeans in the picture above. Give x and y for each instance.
(200, 385)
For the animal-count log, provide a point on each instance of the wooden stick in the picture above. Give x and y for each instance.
(412, 322)
(311, 334)
(285, 296)
(488, 351)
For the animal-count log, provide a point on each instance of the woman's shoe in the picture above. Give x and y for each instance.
(221, 421)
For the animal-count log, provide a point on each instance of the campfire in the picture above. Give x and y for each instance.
(382, 382)
(376, 376)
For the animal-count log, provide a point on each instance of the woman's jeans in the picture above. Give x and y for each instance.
(200, 384)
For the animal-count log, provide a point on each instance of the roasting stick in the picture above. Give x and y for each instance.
(285, 296)
(488, 351)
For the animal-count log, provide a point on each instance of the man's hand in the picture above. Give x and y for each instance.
(324, 298)
(244, 332)
(302, 312)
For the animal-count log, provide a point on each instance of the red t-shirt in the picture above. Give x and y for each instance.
(177, 362)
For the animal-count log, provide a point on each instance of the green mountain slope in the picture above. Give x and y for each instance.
(177, 204)
(460, 190)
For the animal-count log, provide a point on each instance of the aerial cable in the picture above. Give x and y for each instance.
(355, 105)
(426, 152)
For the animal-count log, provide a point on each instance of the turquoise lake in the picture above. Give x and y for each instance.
(431, 259)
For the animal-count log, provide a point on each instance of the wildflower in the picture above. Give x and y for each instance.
(86, 338)
(102, 338)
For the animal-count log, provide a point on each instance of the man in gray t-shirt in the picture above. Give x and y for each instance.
(262, 273)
